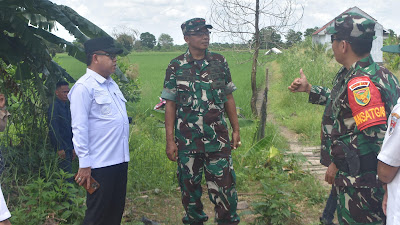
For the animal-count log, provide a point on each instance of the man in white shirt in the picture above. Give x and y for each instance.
(100, 133)
(389, 160)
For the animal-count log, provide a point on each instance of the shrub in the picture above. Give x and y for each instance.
(50, 199)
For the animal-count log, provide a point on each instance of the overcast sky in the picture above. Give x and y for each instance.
(166, 16)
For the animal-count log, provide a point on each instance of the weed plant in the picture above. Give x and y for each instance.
(50, 200)
(285, 187)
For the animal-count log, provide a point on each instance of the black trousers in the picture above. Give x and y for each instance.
(106, 205)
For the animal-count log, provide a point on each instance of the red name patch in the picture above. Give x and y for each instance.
(366, 103)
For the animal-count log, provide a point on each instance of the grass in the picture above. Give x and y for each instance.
(292, 109)
(152, 183)
(74, 67)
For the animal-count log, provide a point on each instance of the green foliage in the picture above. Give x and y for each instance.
(126, 41)
(148, 40)
(285, 184)
(320, 67)
(166, 41)
(308, 190)
(275, 207)
(310, 31)
(392, 60)
(30, 74)
(129, 88)
(26, 25)
(125, 37)
(269, 38)
(25, 139)
(50, 199)
(292, 37)
(149, 167)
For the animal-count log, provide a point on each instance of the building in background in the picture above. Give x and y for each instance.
(320, 36)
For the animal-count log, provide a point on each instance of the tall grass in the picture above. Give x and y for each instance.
(293, 109)
(150, 150)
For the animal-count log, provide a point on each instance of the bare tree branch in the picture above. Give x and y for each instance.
(243, 20)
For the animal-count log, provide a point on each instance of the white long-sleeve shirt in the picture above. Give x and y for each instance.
(100, 124)
(390, 154)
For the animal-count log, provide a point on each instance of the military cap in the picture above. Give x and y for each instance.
(353, 26)
(105, 44)
(194, 24)
(391, 48)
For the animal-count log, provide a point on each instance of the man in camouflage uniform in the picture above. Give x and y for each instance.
(354, 121)
(198, 91)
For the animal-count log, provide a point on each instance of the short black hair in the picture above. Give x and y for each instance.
(361, 47)
(61, 83)
(89, 58)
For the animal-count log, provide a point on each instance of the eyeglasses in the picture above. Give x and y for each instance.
(200, 33)
(334, 38)
(112, 56)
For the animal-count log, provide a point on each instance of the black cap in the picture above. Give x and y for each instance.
(105, 44)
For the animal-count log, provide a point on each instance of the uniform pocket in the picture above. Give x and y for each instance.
(184, 98)
(103, 100)
(218, 91)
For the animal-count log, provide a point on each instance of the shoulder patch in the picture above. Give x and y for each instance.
(366, 103)
(393, 121)
(361, 92)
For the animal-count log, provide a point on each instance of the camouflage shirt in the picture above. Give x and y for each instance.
(355, 117)
(199, 89)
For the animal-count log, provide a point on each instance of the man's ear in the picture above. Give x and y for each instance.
(186, 38)
(345, 46)
(94, 58)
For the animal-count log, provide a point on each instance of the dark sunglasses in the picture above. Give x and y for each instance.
(334, 38)
(199, 33)
(112, 56)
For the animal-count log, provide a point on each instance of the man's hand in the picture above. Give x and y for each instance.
(235, 142)
(384, 202)
(331, 173)
(2, 101)
(61, 154)
(172, 151)
(83, 176)
(300, 84)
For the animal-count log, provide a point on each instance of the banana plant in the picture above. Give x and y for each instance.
(27, 25)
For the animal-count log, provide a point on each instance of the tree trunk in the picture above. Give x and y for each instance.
(255, 58)
(263, 111)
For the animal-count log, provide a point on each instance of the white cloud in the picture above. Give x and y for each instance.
(166, 16)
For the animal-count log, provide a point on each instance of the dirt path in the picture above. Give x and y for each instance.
(311, 153)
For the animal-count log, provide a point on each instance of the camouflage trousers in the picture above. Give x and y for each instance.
(360, 206)
(220, 179)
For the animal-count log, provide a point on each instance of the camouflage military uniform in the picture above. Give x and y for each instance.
(354, 122)
(199, 89)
